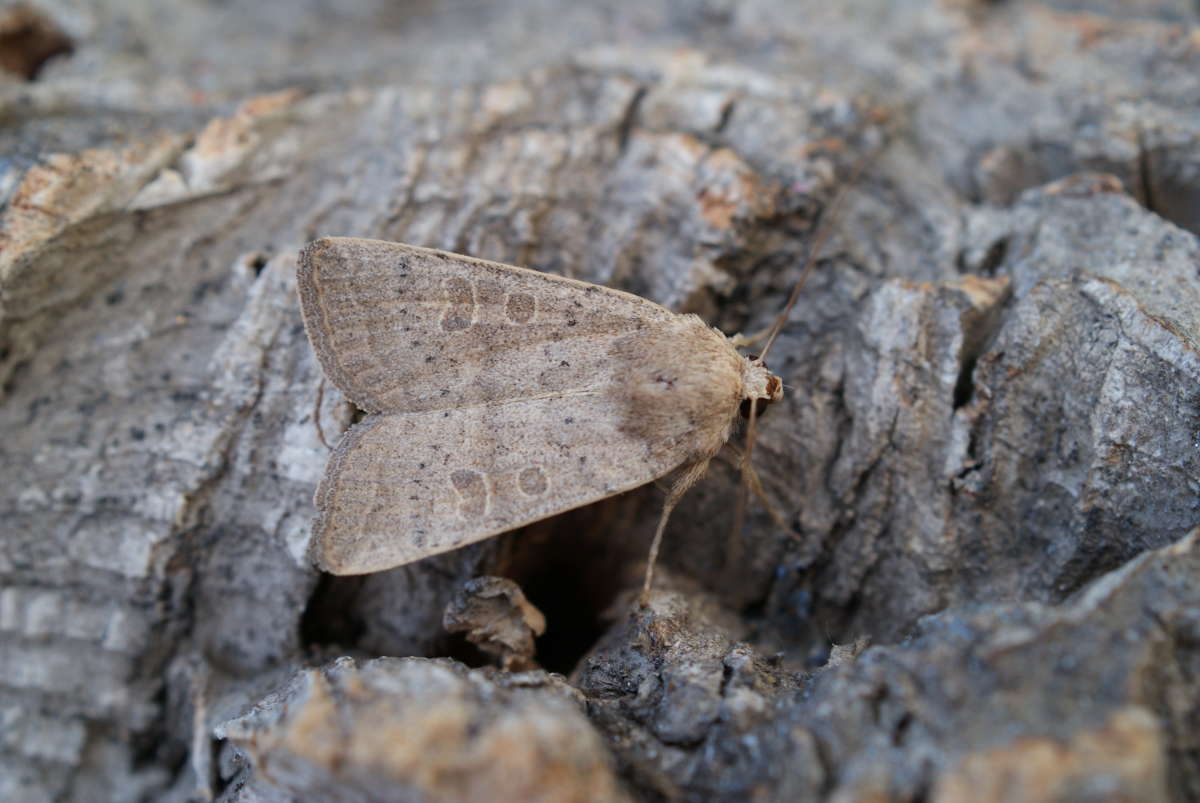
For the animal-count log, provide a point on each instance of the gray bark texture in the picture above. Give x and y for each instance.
(983, 579)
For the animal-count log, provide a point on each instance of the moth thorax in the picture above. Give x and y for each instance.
(759, 386)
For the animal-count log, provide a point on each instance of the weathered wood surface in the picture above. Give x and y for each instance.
(989, 453)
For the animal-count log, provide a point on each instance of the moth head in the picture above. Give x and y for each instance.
(760, 387)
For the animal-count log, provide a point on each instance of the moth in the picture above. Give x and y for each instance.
(498, 396)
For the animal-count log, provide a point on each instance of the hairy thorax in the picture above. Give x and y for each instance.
(682, 386)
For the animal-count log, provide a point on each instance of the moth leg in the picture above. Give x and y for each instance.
(733, 458)
(316, 413)
(756, 487)
(690, 476)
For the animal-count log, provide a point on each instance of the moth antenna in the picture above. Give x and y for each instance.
(824, 228)
(734, 553)
(317, 414)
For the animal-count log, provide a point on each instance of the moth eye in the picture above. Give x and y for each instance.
(761, 406)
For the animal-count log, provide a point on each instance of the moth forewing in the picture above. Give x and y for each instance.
(401, 328)
(498, 396)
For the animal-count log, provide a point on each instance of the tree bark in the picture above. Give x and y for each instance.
(987, 458)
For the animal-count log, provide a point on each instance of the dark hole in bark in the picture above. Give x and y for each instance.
(28, 40)
(964, 387)
(994, 258)
(572, 567)
(256, 262)
(331, 616)
(19, 372)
